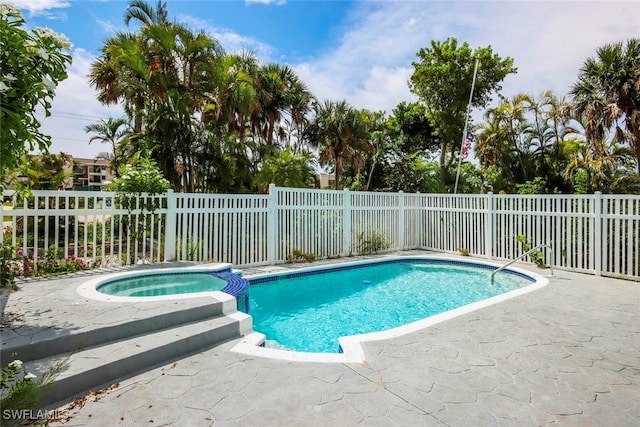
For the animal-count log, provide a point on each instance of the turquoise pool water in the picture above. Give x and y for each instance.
(163, 284)
(310, 313)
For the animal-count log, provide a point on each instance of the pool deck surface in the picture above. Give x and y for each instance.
(567, 355)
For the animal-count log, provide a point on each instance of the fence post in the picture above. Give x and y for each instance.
(597, 232)
(346, 223)
(272, 216)
(489, 220)
(419, 220)
(170, 229)
(401, 229)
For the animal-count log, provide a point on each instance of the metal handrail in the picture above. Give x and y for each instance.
(524, 255)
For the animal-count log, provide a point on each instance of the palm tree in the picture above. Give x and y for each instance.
(110, 132)
(120, 74)
(235, 95)
(146, 14)
(340, 133)
(299, 100)
(490, 139)
(279, 92)
(607, 96)
(606, 169)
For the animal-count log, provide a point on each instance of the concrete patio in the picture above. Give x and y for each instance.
(567, 354)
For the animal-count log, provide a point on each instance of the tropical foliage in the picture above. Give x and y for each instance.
(209, 119)
(607, 96)
(214, 121)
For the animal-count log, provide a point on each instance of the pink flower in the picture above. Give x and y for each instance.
(20, 252)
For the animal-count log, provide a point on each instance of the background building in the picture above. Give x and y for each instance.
(326, 180)
(89, 174)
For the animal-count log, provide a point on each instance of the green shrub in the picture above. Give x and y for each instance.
(298, 255)
(20, 390)
(372, 242)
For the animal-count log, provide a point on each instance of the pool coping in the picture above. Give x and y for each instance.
(353, 345)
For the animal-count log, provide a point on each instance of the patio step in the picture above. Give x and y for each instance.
(27, 349)
(104, 364)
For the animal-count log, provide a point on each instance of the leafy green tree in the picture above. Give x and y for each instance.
(236, 98)
(119, 74)
(279, 91)
(32, 63)
(524, 138)
(186, 98)
(412, 174)
(413, 131)
(607, 96)
(165, 75)
(146, 14)
(442, 81)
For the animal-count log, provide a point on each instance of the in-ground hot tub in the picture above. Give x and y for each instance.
(170, 283)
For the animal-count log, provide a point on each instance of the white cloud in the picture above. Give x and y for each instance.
(549, 41)
(230, 40)
(108, 27)
(384, 87)
(75, 106)
(38, 7)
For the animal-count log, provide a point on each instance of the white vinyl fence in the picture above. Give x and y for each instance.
(597, 234)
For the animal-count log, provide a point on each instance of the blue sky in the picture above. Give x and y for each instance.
(360, 51)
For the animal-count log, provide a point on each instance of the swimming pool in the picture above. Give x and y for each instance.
(335, 309)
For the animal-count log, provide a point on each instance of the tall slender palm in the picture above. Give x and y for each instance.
(235, 94)
(110, 132)
(299, 100)
(279, 92)
(512, 113)
(340, 133)
(547, 126)
(607, 95)
(490, 138)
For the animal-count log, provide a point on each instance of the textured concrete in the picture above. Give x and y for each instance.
(567, 354)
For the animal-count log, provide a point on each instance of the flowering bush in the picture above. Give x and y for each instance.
(33, 62)
(53, 263)
(17, 264)
(20, 390)
(8, 271)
